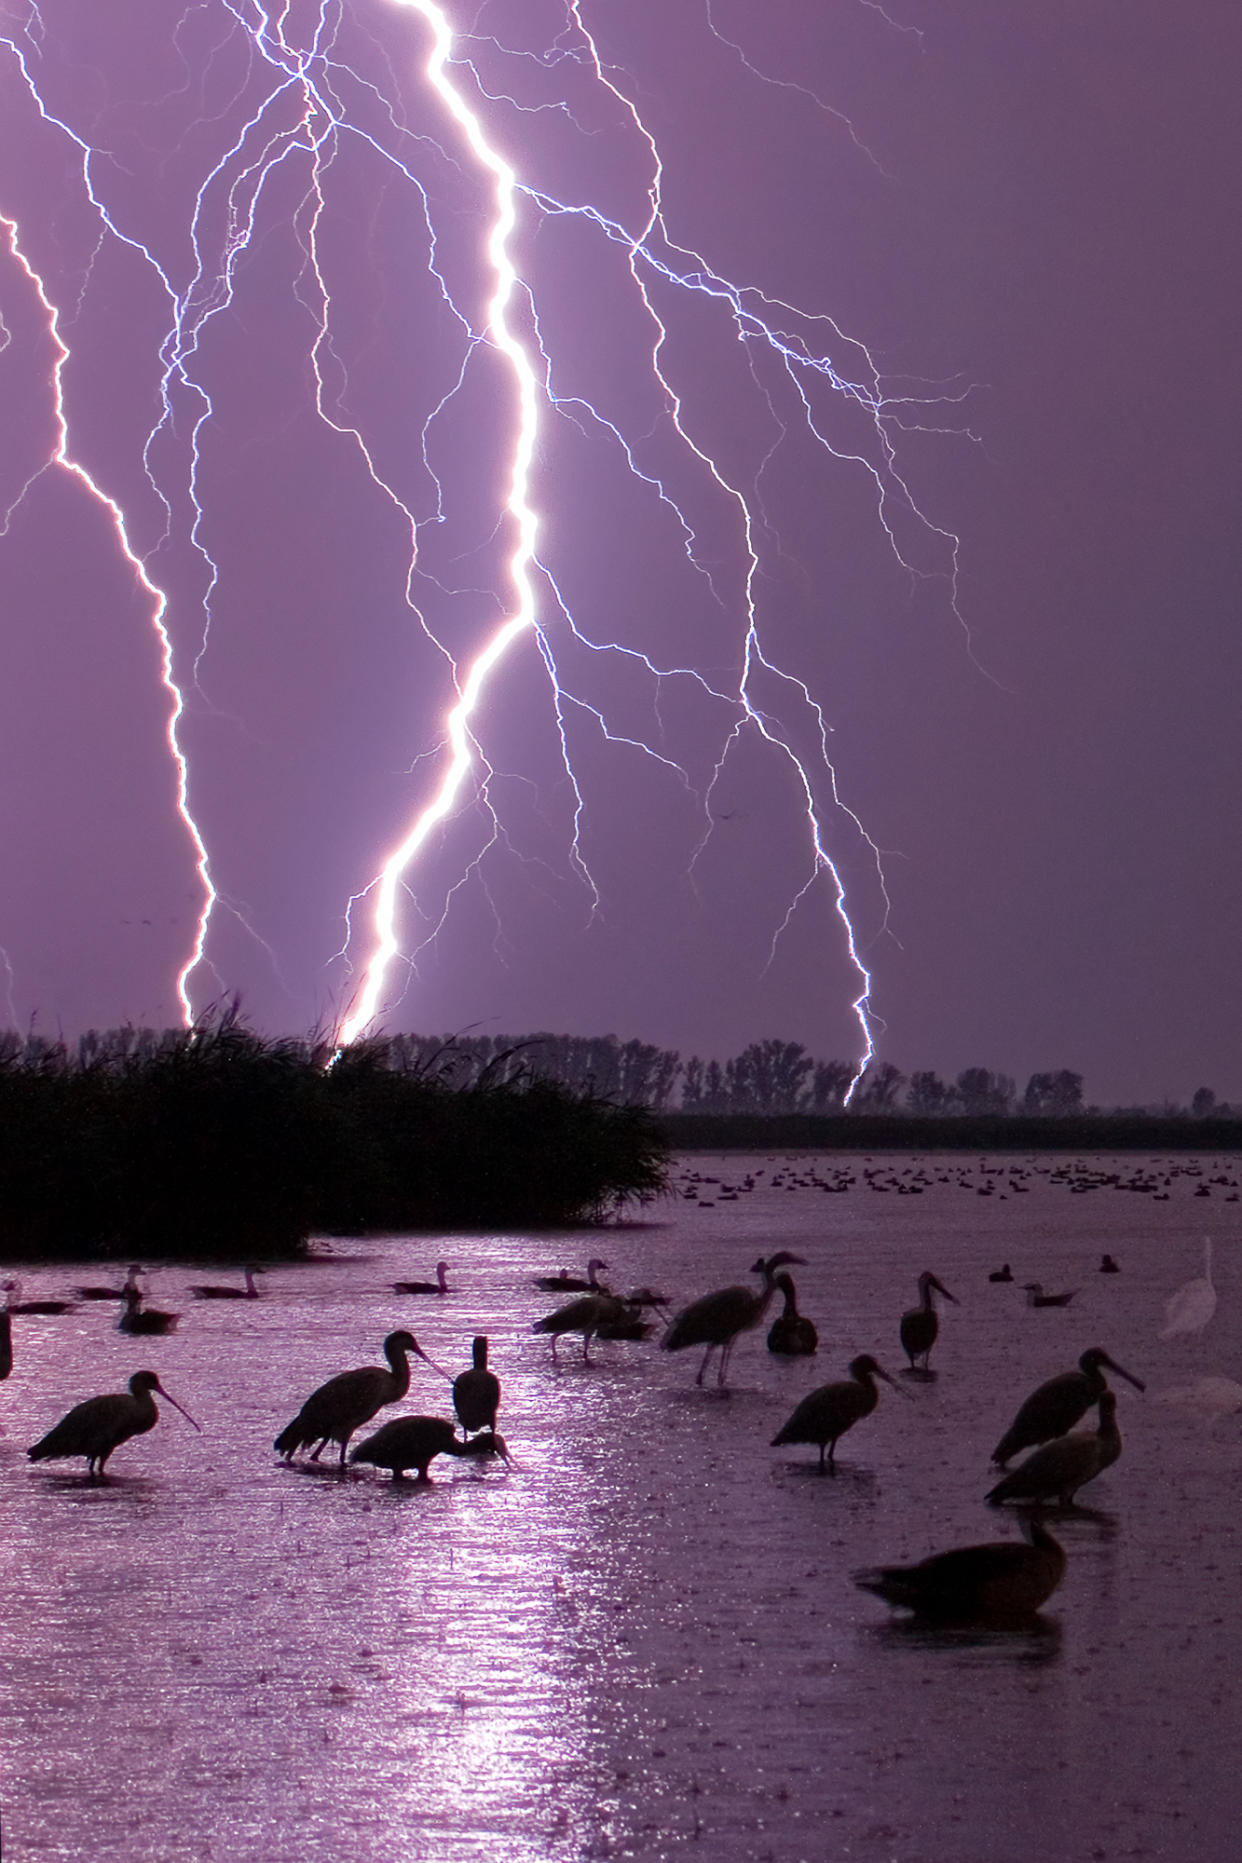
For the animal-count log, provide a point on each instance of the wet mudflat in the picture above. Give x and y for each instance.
(642, 1640)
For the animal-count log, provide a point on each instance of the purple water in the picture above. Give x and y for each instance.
(642, 1640)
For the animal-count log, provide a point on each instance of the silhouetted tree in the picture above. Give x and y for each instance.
(829, 1084)
(1053, 1096)
(928, 1095)
(879, 1089)
(982, 1094)
(1203, 1104)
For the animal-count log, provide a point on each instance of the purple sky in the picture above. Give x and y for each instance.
(1033, 219)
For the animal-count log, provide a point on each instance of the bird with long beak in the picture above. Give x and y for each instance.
(101, 1424)
(1054, 1407)
(825, 1414)
(414, 1442)
(716, 1320)
(1059, 1469)
(346, 1402)
(920, 1325)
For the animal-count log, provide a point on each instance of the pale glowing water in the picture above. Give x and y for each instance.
(642, 1641)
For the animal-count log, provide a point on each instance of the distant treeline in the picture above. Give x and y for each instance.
(215, 1142)
(872, 1132)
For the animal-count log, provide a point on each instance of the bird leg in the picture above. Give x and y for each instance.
(703, 1366)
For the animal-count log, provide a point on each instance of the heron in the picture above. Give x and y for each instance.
(791, 1334)
(1194, 1303)
(715, 1320)
(32, 1306)
(825, 1414)
(587, 1315)
(476, 1393)
(438, 1286)
(1036, 1297)
(566, 1283)
(218, 1291)
(132, 1275)
(100, 1425)
(1057, 1405)
(1060, 1468)
(346, 1402)
(148, 1322)
(414, 1442)
(1002, 1580)
(919, 1325)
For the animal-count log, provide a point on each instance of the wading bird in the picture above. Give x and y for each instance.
(32, 1306)
(1194, 1303)
(1058, 1470)
(346, 1402)
(1036, 1297)
(825, 1414)
(476, 1393)
(1056, 1406)
(716, 1320)
(215, 1290)
(147, 1322)
(588, 1315)
(791, 1334)
(565, 1283)
(438, 1286)
(414, 1442)
(919, 1325)
(100, 1425)
(1004, 1580)
(132, 1274)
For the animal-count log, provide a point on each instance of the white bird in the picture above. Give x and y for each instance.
(1194, 1303)
(1211, 1397)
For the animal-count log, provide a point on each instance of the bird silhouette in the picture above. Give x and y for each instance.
(791, 1334)
(1001, 1581)
(438, 1286)
(1055, 1407)
(920, 1325)
(217, 1290)
(346, 1402)
(101, 1424)
(825, 1414)
(1060, 1468)
(716, 1320)
(414, 1442)
(476, 1393)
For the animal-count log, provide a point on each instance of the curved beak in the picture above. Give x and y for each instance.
(176, 1406)
(1127, 1375)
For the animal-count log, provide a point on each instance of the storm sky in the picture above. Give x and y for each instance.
(947, 272)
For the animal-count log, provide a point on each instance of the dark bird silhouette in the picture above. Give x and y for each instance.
(147, 1322)
(565, 1283)
(32, 1306)
(1056, 1406)
(791, 1334)
(1108, 1265)
(630, 1322)
(1002, 1581)
(1001, 1274)
(919, 1325)
(825, 1414)
(1036, 1297)
(215, 1290)
(111, 1293)
(1059, 1469)
(100, 1425)
(476, 1393)
(716, 1320)
(6, 1343)
(346, 1402)
(587, 1315)
(414, 1442)
(438, 1286)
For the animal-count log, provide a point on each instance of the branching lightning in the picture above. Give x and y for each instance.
(404, 82)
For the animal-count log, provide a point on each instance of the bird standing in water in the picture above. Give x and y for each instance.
(1060, 1468)
(825, 1414)
(716, 1320)
(414, 1442)
(920, 1325)
(476, 1393)
(1056, 1406)
(791, 1334)
(147, 1322)
(346, 1402)
(998, 1582)
(100, 1425)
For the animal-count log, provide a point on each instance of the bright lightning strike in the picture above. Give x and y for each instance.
(291, 124)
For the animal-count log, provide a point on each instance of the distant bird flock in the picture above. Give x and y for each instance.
(994, 1581)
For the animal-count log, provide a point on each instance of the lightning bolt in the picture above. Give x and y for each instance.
(326, 75)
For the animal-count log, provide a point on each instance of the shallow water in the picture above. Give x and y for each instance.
(642, 1640)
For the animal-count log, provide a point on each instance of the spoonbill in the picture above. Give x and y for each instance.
(1194, 1303)
(825, 1414)
(1056, 1406)
(100, 1425)
(1060, 1468)
(791, 1334)
(476, 1393)
(716, 1320)
(1002, 1580)
(919, 1325)
(346, 1402)
(438, 1286)
(414, 1442)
